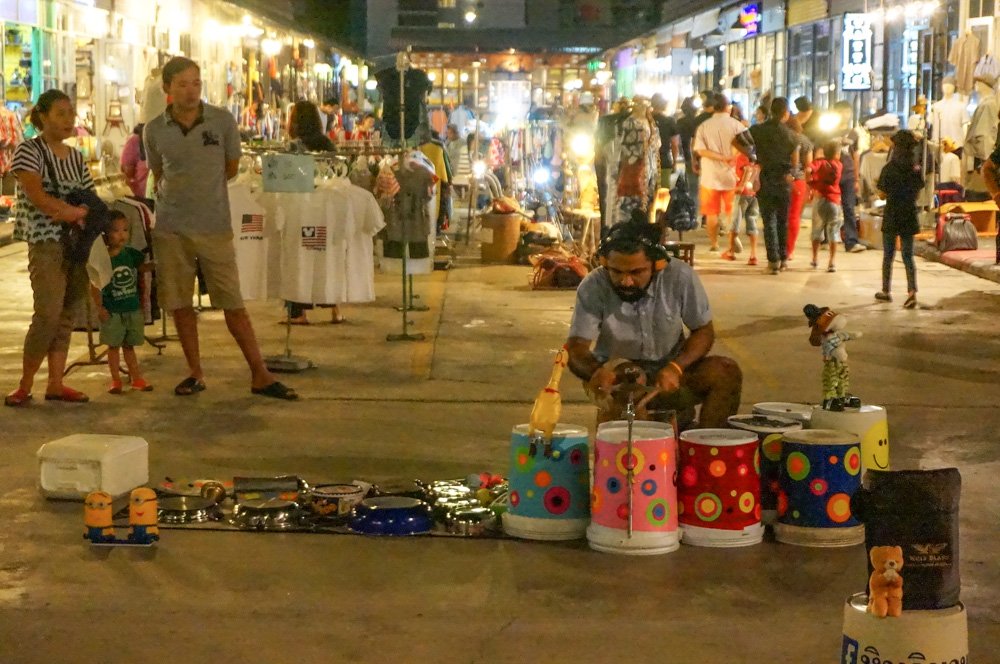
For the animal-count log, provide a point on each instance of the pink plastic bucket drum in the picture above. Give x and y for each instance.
(718, 489)
(654, 490)
(769, 430)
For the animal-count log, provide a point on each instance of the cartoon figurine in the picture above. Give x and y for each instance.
(828, 333)
(142, 517)
(548, 405)
(98, 518)
(885, 586)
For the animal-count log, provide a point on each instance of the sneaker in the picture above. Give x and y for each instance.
(783, 266)
(832, 268)
(882, 296)
(858, 248)
(728, 255)
(752, 261)
(737, 245)
(772, 268)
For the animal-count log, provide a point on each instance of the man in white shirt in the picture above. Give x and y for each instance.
(714, 142)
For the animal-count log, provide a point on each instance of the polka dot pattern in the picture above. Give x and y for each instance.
(817, 483)
(554, 487)
(719, 483)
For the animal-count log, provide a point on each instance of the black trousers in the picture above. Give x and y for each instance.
(848, 201)
(774, 200)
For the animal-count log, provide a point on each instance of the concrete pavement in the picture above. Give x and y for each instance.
(442, 408)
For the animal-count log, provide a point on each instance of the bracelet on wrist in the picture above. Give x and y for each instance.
(678, 368)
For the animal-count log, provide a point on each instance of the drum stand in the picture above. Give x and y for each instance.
(630, 464)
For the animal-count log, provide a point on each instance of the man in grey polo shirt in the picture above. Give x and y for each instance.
(192, 150)
(635, 308)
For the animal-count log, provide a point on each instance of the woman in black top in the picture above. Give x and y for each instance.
(900, 183)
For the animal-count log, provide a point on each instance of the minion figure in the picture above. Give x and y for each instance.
(142, 517)
(97, 518)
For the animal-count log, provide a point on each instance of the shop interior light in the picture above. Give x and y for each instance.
(893, 13)
(464, 77)
(431, 77)
(371, 85)
(450, 77)
(479, 169)
(271, 47)
(309, 43)
(582, 145)
(829, 122)
(470, 17)
(541, 176)
(322, 69)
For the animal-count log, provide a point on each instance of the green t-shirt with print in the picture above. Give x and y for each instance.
(122, 294)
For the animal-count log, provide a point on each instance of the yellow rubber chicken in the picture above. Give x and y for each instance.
(548, 404)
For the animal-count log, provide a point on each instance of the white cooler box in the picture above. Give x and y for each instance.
(73, 466)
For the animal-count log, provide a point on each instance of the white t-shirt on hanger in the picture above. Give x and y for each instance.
(313, 253)
(248, 219)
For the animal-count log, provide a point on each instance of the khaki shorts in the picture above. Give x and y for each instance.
(716, 201)
(178, 257)
(124, 329)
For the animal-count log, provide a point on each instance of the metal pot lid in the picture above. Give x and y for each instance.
(337, 490)
(267, 505)
(391, 503)
(185, 504)
(189, 487)
(474, 515)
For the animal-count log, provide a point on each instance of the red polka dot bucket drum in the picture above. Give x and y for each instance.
(654, 490)
(549, 495)
(820, 471)
(769, 430)
(718, 488)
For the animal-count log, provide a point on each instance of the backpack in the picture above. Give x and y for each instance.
(682, 212)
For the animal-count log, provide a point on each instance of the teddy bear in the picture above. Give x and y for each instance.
(885, 586)
(828, 332)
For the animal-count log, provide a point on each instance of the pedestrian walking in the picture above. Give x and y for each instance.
(776, 154)
(713, 143)
(850, 185)
(827, 214)
(899, 184)
(746, 210)
(800, 188)
(193, 149)
(47, 170)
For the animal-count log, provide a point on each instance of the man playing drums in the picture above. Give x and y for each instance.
(635, 307)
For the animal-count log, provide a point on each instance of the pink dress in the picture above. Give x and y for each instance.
(132, 159)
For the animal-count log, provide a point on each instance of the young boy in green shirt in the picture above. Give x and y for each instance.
(119, 307)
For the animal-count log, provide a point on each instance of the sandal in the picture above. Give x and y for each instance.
(189, 386)
(276, 390)
(911, 301)
(17, 398)
(69, 395)
(142, 386)
(752, 261)
(116, 387)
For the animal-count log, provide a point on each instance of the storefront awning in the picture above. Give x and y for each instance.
(705, 23)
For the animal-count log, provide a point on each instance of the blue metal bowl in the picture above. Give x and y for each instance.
(391, 515)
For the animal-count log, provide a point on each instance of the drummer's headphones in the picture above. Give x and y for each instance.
(627, 238)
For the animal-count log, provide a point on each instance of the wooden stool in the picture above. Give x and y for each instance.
(681, 250)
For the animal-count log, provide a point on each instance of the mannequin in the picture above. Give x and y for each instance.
(981, 137)
(949, 114)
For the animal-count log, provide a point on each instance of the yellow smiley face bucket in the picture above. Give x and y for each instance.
(869, 423)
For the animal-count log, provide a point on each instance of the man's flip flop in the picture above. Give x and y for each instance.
(276, 390)
(189, 386)
(69, 395)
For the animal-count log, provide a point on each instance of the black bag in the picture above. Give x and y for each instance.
(916, 510)
(682, 212)
(78, 241)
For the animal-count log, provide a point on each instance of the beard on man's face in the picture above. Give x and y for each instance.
(630, 294)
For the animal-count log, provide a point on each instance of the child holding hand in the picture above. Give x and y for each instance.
(119, 307)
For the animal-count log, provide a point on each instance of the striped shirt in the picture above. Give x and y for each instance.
(31, 224)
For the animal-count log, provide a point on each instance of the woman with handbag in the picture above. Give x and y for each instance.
(46, 171)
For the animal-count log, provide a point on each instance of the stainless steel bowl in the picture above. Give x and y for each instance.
(187, 509)
(267, 514)
(473, 522)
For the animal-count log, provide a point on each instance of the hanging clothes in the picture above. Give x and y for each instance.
(11, 135)
(982, 135)
(408, 219)
(434, 151)
(963, 56)
(247, 216)
(949, 116)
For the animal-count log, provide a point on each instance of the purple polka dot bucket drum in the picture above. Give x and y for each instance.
(769, 430)
(549, 495)
(718, 488)
(654, 490)
(820, 471)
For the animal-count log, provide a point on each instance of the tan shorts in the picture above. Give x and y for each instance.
(178, 257)
(716, 201)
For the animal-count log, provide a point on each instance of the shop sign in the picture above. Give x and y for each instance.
(857, 69)
(749, 19)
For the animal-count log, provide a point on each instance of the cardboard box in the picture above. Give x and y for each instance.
(983, 215)
(73, 466)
